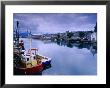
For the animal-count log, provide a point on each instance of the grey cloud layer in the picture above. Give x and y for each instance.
(55, 22)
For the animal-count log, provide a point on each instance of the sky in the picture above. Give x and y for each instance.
(55, 22)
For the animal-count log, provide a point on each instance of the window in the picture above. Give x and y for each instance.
(27, 59)
(34, 57)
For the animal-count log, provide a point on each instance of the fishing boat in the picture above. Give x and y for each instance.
(28, 62)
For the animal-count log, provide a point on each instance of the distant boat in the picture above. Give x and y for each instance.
(36, 36)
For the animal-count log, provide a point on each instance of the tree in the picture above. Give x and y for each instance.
(95, 30)
(17, 24)
(69, 34)
(58, 35)
(81, 34)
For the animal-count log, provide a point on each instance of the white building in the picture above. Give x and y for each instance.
(94, 37)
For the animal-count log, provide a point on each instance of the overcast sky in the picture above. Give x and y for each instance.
(55, 22)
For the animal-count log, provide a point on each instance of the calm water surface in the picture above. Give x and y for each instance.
(67, 59)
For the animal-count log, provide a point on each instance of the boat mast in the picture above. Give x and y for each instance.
(29, 34)
(30, 43)
(17, 34)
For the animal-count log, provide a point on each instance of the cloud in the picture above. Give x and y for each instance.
(55, 22)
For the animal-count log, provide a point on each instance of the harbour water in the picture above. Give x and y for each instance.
(67, 59)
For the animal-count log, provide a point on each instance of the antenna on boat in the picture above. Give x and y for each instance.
(17, 33)
(30, 43)
(29, 35)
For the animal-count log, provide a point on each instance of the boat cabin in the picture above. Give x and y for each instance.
(30, 58)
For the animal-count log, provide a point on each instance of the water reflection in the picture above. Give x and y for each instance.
(67, 58)
(80, 45)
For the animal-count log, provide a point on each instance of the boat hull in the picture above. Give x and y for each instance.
(29, 71)
(46, 63)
